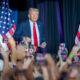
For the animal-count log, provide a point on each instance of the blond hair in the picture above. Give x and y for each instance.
(33, 9)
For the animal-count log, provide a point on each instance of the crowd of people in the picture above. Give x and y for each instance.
(29, 61)
(18, 64)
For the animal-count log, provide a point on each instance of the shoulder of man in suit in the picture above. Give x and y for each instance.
(39, 23)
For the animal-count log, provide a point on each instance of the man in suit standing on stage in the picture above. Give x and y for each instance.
(32, 29)
(34, 32)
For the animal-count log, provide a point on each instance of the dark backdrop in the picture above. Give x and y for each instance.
(60, 17)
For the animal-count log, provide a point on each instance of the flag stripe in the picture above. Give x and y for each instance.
(4, 36)
(8, 46)
(11, 32)
(8, 35)
(7, 25)
(14, 26)
(78, 35)
(77, 38)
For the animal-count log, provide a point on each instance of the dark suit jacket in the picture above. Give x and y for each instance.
(24, 30)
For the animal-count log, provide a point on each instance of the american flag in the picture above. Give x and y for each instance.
(77, 39)
(7, 24)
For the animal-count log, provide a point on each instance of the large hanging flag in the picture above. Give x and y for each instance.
(77, 39)
(7, 24)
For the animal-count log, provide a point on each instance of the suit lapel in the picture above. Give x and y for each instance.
(28, 27)
(38, 25)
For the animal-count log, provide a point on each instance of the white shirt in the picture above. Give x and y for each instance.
(37, 31)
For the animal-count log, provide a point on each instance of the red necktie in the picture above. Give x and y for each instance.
(35, 37)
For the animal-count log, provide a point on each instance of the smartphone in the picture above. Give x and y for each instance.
(71, 66)
(5, 40)
(1, 63)
(78, 52)
(64, 55)
(23, 41)
(30, 50)
(40, 59)
(62, 46)
(76, 59)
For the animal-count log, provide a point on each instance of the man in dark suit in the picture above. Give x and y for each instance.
(34, 35)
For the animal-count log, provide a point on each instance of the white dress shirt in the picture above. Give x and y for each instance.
(37, 31)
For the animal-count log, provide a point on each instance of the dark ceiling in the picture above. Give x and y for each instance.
(24, 4)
